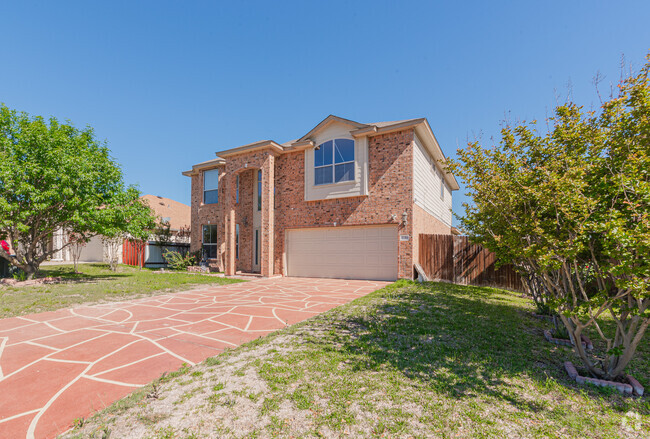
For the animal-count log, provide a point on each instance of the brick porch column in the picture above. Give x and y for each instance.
(268, 215)
(229, 216)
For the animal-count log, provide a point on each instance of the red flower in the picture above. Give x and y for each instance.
(5, 246)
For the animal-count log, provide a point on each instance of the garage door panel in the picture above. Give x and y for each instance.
(343, 252)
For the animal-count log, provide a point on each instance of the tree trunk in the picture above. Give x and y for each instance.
(30, 270)
(596, 367)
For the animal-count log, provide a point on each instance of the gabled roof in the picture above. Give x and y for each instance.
(177, 214)
(262, 144)
(421, 126)
(394, 122)
(328, 120)
(205, 165)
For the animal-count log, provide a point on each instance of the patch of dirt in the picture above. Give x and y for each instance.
(30, 282)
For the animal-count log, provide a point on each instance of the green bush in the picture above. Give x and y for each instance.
(177, 260)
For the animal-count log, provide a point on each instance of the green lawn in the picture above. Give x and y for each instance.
(95, 283)
(410, 360)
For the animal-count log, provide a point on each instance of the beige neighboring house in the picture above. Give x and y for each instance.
(177, 214)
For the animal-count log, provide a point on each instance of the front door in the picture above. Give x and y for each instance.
(257, 221)
(256, 250)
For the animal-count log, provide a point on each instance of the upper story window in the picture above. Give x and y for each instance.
(237, 191)
(211, 186)
(334, 161)
(259, 189)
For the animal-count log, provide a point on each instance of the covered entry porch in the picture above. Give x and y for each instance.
(249, 210)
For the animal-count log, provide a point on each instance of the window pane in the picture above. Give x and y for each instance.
(259, 190)
(236, 241)
(323, 155)
(344, 150)
(344, 172)
(210, 251)
(211, 179)
(210, 234)
(211, 197)
(323, 175)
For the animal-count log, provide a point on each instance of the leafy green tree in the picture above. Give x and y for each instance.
(140, 226)
(129, 217)
(53, 177)
(77, 244)
(571, 209)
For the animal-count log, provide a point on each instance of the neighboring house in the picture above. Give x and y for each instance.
(178, 215)
(169, 211)
(346, 200)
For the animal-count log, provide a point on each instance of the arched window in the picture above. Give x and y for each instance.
(334, 161)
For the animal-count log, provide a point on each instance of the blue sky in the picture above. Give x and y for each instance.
(167, 84)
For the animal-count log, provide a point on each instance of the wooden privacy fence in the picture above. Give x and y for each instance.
(455, 259)
(130, 252)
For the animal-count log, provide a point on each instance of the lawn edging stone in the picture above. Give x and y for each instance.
(634, 387)
(586, 343)
(638, 388)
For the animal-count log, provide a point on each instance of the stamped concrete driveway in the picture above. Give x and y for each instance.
(62, 365)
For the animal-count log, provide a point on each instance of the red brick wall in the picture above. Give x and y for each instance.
(202, 213)
(248, 164)
(244, 217)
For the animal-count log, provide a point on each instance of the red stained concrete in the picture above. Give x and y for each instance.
(104, 352)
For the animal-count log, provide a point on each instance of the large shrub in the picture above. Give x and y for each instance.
(571, 209)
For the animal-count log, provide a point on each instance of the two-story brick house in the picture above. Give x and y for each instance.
(345, 200)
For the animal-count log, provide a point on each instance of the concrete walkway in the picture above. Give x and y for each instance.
(62, 365)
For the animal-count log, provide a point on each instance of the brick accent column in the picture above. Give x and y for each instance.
(230, 225)
(268, 215)
(405, 268)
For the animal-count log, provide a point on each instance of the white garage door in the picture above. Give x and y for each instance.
(343, 252)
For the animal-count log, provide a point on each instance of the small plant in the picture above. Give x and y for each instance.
(103, 432)
(560, 329)
(19, 275)
(78, 422)
(168, 432)
(155, 391)
(177, 260)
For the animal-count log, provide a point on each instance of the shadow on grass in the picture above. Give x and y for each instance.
(68, 275)
(460, 341)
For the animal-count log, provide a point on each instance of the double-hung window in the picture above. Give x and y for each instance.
(211, 186)
(210, 241)
(334, 161)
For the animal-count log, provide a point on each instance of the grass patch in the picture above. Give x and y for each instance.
(95, 283)
(410, 360)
